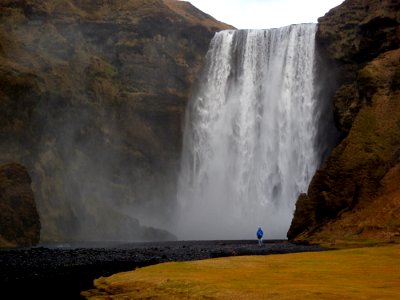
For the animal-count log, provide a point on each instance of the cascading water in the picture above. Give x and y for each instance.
(248, 148)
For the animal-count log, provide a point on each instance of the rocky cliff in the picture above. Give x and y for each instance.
(355, 196)
(19, 219)
(92, 95)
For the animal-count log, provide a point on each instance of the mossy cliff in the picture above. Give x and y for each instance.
(356, 193)
(92, 94)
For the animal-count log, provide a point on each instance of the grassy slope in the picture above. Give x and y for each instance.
(363, 273)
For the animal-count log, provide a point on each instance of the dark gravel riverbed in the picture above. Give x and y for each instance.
(62, 271)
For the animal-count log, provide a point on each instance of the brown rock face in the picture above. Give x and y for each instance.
(92, 94)
(353, 196)
(19, 219)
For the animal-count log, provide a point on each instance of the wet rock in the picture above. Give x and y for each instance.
(68, 270)
(19, 219)
(92, 99)
(360, 40)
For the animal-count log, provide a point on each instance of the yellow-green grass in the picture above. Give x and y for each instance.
(362, 273)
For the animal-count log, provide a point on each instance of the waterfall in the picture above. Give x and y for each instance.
(248, 145)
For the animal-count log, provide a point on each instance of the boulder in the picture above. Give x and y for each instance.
(19, 219)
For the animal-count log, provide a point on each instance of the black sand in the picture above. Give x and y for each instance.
(62, 271)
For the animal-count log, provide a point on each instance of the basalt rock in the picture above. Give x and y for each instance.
(19, 219)
(353, 196)
(92, 97)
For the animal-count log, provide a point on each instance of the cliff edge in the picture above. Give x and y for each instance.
(355, 196)
(92, 95)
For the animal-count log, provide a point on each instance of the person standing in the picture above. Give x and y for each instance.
(260, 234)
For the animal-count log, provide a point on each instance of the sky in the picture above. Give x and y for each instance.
(263, 14)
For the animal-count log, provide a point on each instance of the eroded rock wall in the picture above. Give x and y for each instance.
(92, 96)
(19, 219)
(360, 42)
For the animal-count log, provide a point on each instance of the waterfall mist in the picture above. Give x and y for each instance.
(248, 148)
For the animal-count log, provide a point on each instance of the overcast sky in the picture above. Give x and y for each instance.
(262, 14)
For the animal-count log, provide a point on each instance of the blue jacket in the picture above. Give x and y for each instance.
(260, 233)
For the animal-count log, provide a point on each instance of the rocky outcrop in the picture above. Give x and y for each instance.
(19, 219)
(92, 95)
(353, 196)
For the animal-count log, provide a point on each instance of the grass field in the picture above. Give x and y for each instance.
(361, 273)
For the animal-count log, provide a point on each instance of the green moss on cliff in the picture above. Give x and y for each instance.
(359, 38)
(92, 94)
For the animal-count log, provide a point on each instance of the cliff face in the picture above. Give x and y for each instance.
(92, 94)
(19, 219)
(356, 193)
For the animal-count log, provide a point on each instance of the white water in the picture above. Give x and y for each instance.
(248, 146)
